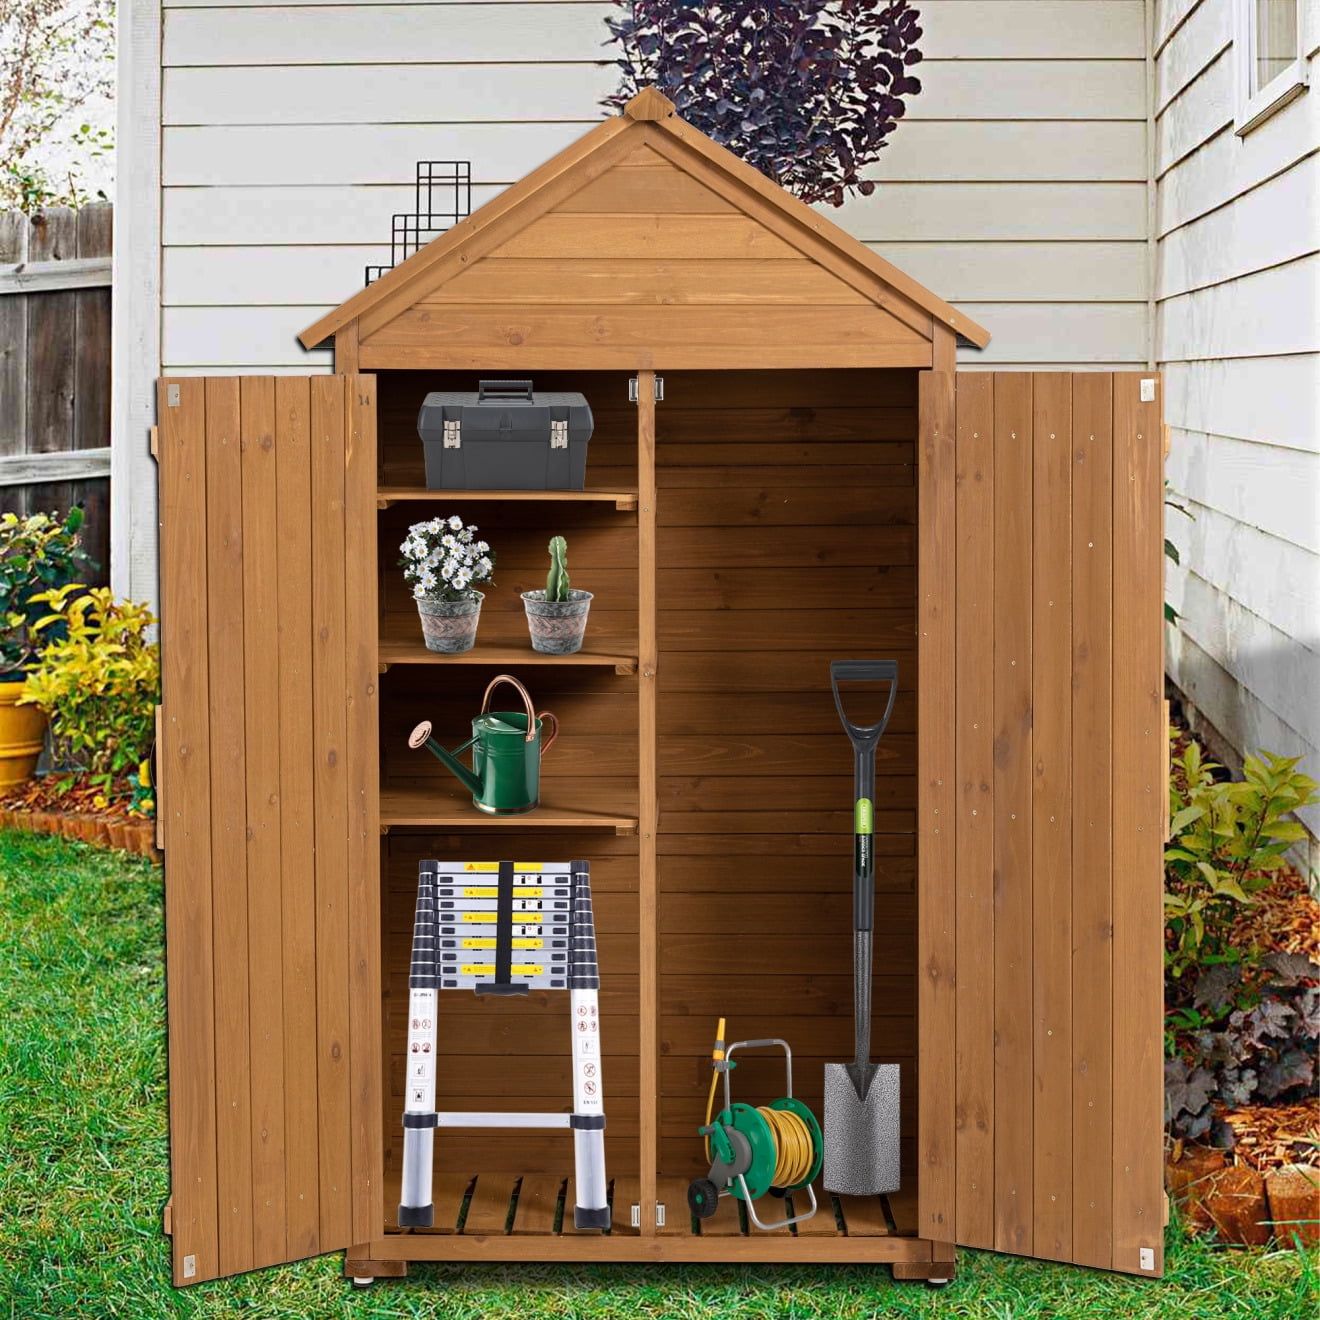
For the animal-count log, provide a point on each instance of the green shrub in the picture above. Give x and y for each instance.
(1228, 839)
(37, 554)
(100, 683)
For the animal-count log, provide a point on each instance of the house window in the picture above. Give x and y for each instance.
(1270, 60)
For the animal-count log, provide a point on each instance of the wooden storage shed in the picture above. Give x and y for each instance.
(816, 482)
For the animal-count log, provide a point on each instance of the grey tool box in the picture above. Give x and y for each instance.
(506, 436)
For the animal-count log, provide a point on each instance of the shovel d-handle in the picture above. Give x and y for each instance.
(864, 738)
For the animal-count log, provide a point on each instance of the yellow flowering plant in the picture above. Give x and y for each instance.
(99, 683)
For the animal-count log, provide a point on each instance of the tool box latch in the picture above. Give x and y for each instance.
(453, 433)
(559, 434)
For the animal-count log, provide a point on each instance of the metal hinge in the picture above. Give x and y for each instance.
(171, 396)
(558, 435)
(635, 1218)
(633, 389)
(452, 435)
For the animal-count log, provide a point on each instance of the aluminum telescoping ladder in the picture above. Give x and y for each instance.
(532, 929)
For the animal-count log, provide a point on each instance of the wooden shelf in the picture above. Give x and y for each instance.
(439, 809)
(621, 499)
(398, 649)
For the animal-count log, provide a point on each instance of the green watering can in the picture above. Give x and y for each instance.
(506, 753)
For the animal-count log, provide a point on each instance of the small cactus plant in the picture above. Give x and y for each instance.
(557, 616)
(556, 582)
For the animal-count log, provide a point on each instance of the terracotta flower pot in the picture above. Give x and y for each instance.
(22, 736)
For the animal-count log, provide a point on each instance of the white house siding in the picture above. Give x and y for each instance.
(1016, 188)
(1238, 337)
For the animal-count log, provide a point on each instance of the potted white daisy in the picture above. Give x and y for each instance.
(444, 562)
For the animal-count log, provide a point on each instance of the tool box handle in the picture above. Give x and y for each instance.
(494, 390)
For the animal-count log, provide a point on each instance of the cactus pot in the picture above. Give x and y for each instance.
(557, 626)
(449, 626)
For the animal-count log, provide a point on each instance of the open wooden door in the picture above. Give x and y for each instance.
(1042, 790)
(268, 794)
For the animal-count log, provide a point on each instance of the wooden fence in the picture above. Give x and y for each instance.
(55, 367)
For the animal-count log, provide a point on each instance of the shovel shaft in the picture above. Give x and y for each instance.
(863, 840)
(862, 998)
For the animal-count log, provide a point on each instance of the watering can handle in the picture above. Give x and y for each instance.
(527, 701)
(554, 733)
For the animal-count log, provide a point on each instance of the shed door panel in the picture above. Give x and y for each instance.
(268, 769)
(1042, 784)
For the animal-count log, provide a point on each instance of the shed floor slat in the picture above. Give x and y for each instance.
(537, 1201)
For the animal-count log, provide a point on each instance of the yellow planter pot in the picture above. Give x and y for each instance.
(22, 736)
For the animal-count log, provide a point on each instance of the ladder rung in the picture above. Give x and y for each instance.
(479, 1119)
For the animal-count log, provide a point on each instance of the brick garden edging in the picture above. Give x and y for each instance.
(125, 833)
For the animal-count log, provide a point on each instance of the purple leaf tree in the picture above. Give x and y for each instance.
(807, 91)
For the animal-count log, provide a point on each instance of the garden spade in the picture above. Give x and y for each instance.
(861, 1097)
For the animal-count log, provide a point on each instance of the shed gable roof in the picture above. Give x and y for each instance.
(619, 236)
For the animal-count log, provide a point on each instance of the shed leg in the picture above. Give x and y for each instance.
(939, 1270)
(363, 1271)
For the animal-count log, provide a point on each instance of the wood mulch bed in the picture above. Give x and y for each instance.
(78, 812)
(1285, 919)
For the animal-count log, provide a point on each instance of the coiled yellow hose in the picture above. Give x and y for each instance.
(794, 1155)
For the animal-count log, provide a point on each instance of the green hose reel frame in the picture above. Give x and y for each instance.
(743, 1151)
(757, 1180)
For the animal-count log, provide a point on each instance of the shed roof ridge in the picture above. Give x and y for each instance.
(652, 117)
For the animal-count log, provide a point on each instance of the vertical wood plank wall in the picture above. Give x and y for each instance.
(266, 646)
(1039, 819)
(787, 511)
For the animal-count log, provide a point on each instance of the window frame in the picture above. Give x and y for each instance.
(1253, 108)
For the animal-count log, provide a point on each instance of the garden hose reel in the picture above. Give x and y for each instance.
(754, 1151)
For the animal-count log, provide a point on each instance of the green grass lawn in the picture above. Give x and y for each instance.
(83, 1171)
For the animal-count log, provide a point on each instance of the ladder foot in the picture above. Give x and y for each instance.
(583, 1217)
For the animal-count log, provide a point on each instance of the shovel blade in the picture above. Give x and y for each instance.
(861, 1135)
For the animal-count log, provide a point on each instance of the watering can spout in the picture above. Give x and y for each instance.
(421, 737)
